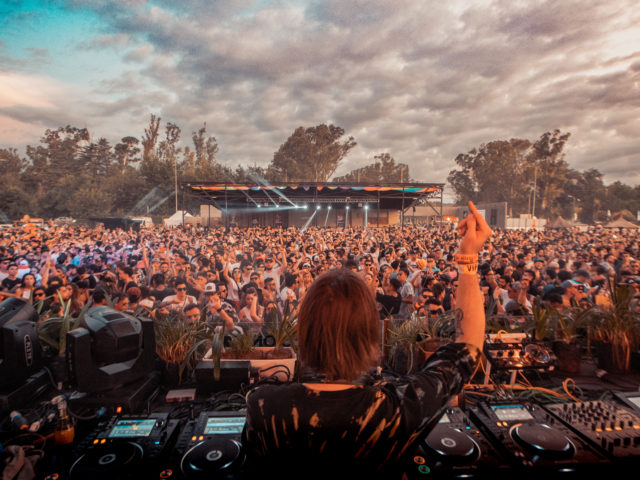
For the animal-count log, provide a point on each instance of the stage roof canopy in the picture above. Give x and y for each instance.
(295, 194)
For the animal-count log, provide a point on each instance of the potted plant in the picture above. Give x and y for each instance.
(179, 345)
(410, 342)
(402, 337)
(615, 330)
(52, 334)
(280, 333)
(440, 330)
(568, 329)
(277, 356)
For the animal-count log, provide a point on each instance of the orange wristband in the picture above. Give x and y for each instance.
(462, 259)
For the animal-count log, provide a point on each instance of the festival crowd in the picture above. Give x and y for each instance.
(232, 276)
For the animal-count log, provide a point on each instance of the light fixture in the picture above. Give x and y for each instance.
(318, 207)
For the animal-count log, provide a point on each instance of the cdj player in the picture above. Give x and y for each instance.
(456, 448)
(533, 440)
(125, 447)
(209, 446)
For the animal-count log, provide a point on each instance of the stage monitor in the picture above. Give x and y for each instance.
(109, 350)
(20, 353)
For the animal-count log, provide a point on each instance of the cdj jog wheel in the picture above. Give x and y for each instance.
(543, 440)
(211, 456)
(452, 445)
(110, 460)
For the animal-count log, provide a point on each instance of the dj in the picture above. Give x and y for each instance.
(341, 416)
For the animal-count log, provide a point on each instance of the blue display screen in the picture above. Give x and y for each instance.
(224, 425)
(511, 412)
(132, 428)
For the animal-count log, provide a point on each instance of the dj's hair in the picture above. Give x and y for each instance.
(339, 326)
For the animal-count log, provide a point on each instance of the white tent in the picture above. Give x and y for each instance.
(178, 218)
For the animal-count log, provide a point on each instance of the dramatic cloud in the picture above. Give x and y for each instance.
(421, 80)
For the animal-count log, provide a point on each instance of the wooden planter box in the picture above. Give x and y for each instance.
(267, 362)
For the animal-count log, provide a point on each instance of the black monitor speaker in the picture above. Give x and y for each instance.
(20, 352)
(109, 350)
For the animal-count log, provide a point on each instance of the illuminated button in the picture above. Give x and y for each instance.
(166, 473)
(419, 460)
(201, 437)
(194, 438)
(424, 469)
(119, 410)
(95, 441)
(53, 476)
(103, 441)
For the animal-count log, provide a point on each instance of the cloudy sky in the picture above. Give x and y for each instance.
(422, 80)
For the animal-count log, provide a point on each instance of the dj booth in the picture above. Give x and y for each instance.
(117, 419)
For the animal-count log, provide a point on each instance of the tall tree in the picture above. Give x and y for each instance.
(126, 153)
(206, 149)
(589, 194)
(384, 169)
(495, 172)
(311, 154)
(150, 139)
(95, 160)
(15, 199)
(550, 170)
(53, 165)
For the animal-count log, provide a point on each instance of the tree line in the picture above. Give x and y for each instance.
(70, 174)
(534, 178)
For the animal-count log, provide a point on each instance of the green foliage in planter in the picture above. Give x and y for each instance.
(571, 324)
(618, 325)
(52, 331)
(283, 329)
(181, 342)
(240, 345)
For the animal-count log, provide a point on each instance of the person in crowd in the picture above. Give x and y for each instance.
(177, 302)
(191, 313)
(406, 292)
(11, 281)
(288, 300)
(234, 284)
(250, 308)
(120, 302)
(341, 414)
(218, 311)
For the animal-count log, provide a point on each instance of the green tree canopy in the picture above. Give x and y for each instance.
(384, 169)
(311, 154)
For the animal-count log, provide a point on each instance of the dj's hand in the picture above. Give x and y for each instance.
(474, 231)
